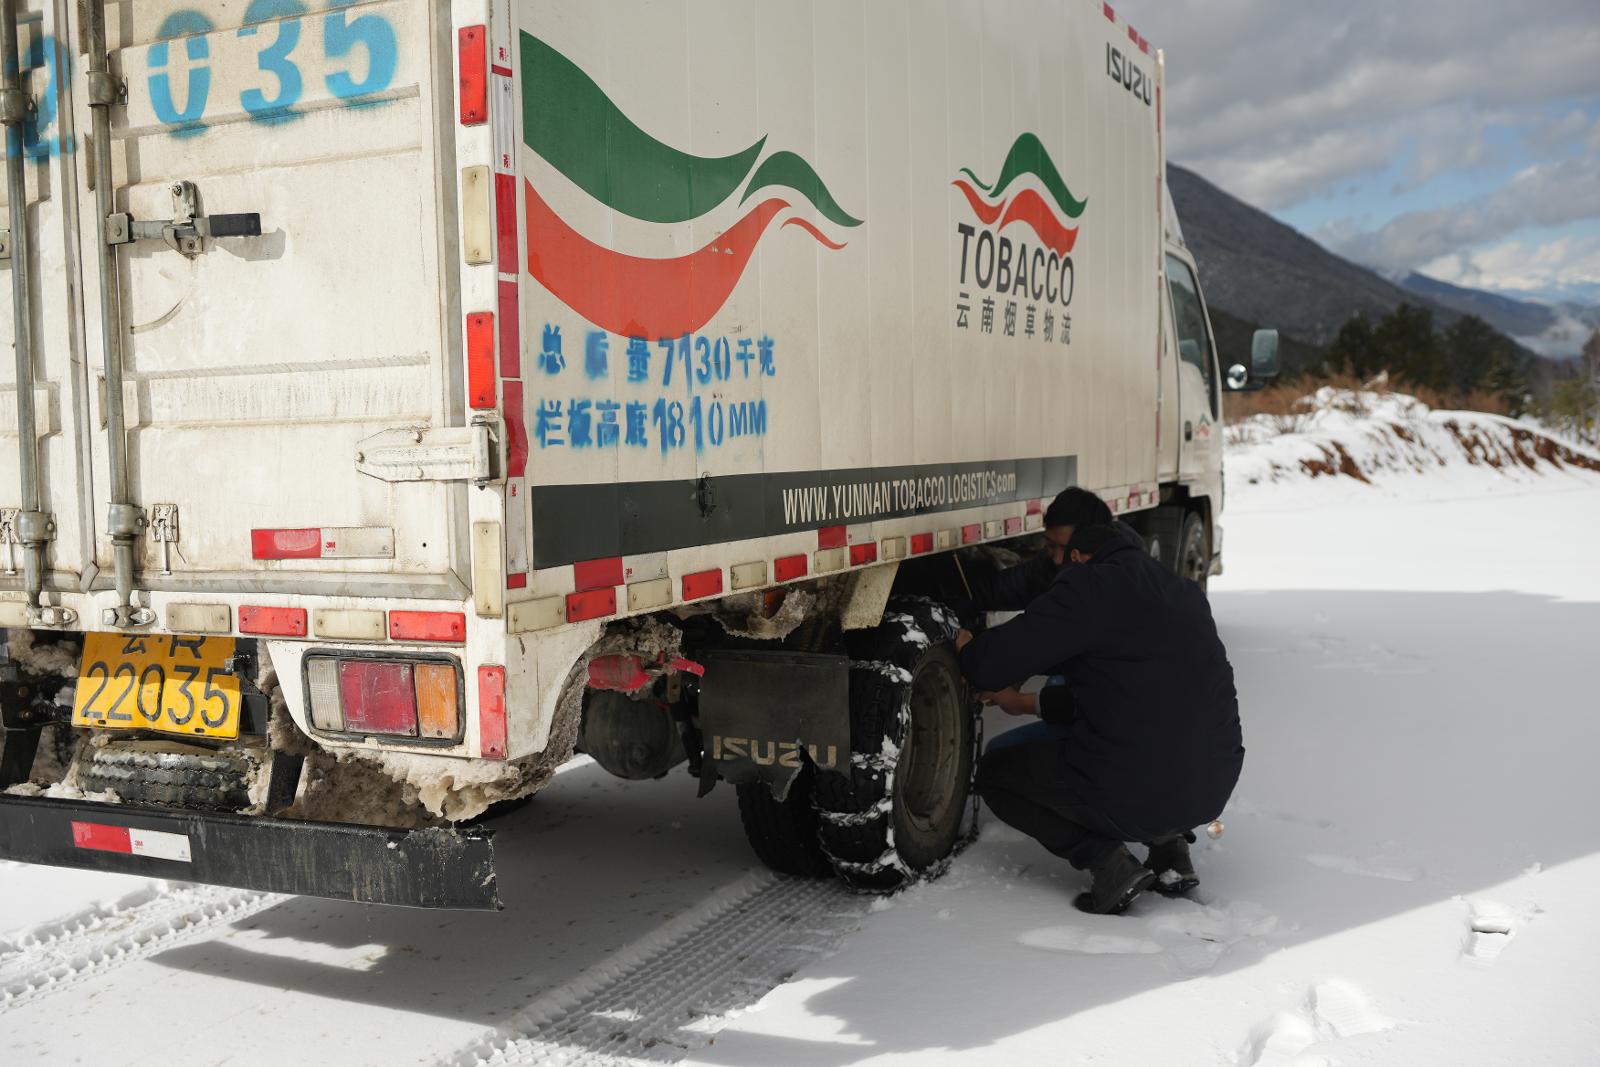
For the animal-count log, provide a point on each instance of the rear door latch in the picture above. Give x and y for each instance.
(184, 232)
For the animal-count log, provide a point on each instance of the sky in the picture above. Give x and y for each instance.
(1459, 138)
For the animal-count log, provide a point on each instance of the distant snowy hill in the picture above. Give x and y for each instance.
(1555, 330)
(1398, 445)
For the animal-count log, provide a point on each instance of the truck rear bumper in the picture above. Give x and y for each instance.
(429, 868)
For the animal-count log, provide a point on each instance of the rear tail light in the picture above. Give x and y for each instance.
(378, 698)
(438, 715)
(384, 697)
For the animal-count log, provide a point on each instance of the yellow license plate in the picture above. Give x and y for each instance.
(177, 685)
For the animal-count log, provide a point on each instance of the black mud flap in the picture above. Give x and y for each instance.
(430, 868)
(765, 715)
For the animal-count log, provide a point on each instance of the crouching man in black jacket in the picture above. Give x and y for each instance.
(1142, 743)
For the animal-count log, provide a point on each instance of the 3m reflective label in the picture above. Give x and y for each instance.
(157, 844)
(325, 542)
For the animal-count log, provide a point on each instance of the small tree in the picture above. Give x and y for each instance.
(1407, 344)
(1474, 353)
(1573, 404)
(1352, 350)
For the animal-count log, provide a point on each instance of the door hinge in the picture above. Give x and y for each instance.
(8, 536)
(432, 454)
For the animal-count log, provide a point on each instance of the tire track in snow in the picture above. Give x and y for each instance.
(670, 992)
(64, 952)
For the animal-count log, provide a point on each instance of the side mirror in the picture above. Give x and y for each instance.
(1238, 377)
(1263, 356)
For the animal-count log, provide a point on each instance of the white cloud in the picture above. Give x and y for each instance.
(1547, 194)
(1521, 265)
(1279, 103)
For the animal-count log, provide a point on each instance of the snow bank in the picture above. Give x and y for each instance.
(1390, 440)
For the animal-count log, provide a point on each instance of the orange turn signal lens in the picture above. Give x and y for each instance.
(438, 715)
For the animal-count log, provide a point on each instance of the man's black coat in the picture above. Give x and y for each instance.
(1149, 698)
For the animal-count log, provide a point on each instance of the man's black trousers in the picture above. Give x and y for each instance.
(1021, 778)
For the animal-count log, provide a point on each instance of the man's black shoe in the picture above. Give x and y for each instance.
(1118, 879)
(1169, 862)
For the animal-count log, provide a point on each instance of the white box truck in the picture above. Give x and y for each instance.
(408, 393)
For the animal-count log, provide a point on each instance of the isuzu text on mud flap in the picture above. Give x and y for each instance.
(426, 392)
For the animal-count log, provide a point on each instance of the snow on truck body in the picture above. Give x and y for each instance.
(551, 320)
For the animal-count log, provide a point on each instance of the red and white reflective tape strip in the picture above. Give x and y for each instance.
(508, 260)
(101, 837)
(323, 542)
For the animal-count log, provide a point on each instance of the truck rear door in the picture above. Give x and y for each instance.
(260, 371)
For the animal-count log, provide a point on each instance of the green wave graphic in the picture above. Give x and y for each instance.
(1028, 156)
(574, 126)
(979, 182)
(793, 172)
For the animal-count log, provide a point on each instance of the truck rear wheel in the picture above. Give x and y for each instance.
(783, 833)
(896, 813)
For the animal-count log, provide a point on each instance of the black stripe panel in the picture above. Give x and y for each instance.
(572, 523)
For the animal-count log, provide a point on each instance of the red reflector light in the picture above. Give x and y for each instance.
(100, 837)
(280, 622)
(597, 574)
(473, 47)
(788, 568)
(480, 359)
(702, 584)
(595, 604)
(1013, 526)
(1036, 507)
(378, 697)
(286, 544)
(860, 555)
(971, 533)
(428, 626)
(921, 543)
(492, 712)
(832, 537)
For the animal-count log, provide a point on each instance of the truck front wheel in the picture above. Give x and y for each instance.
(896, 812)
(1180, 540)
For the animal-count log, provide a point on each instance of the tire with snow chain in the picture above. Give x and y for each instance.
(195, 780)
(898, 813)
(1180, 540)
(783, 833)
(1194, 550)
(1163, 533)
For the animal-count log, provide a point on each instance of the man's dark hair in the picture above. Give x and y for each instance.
(1090, 540)
(1077, 508)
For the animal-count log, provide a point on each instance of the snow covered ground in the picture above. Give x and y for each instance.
(1406, 878)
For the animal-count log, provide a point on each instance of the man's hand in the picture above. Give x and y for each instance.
(1012, 702)
(963, 638)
